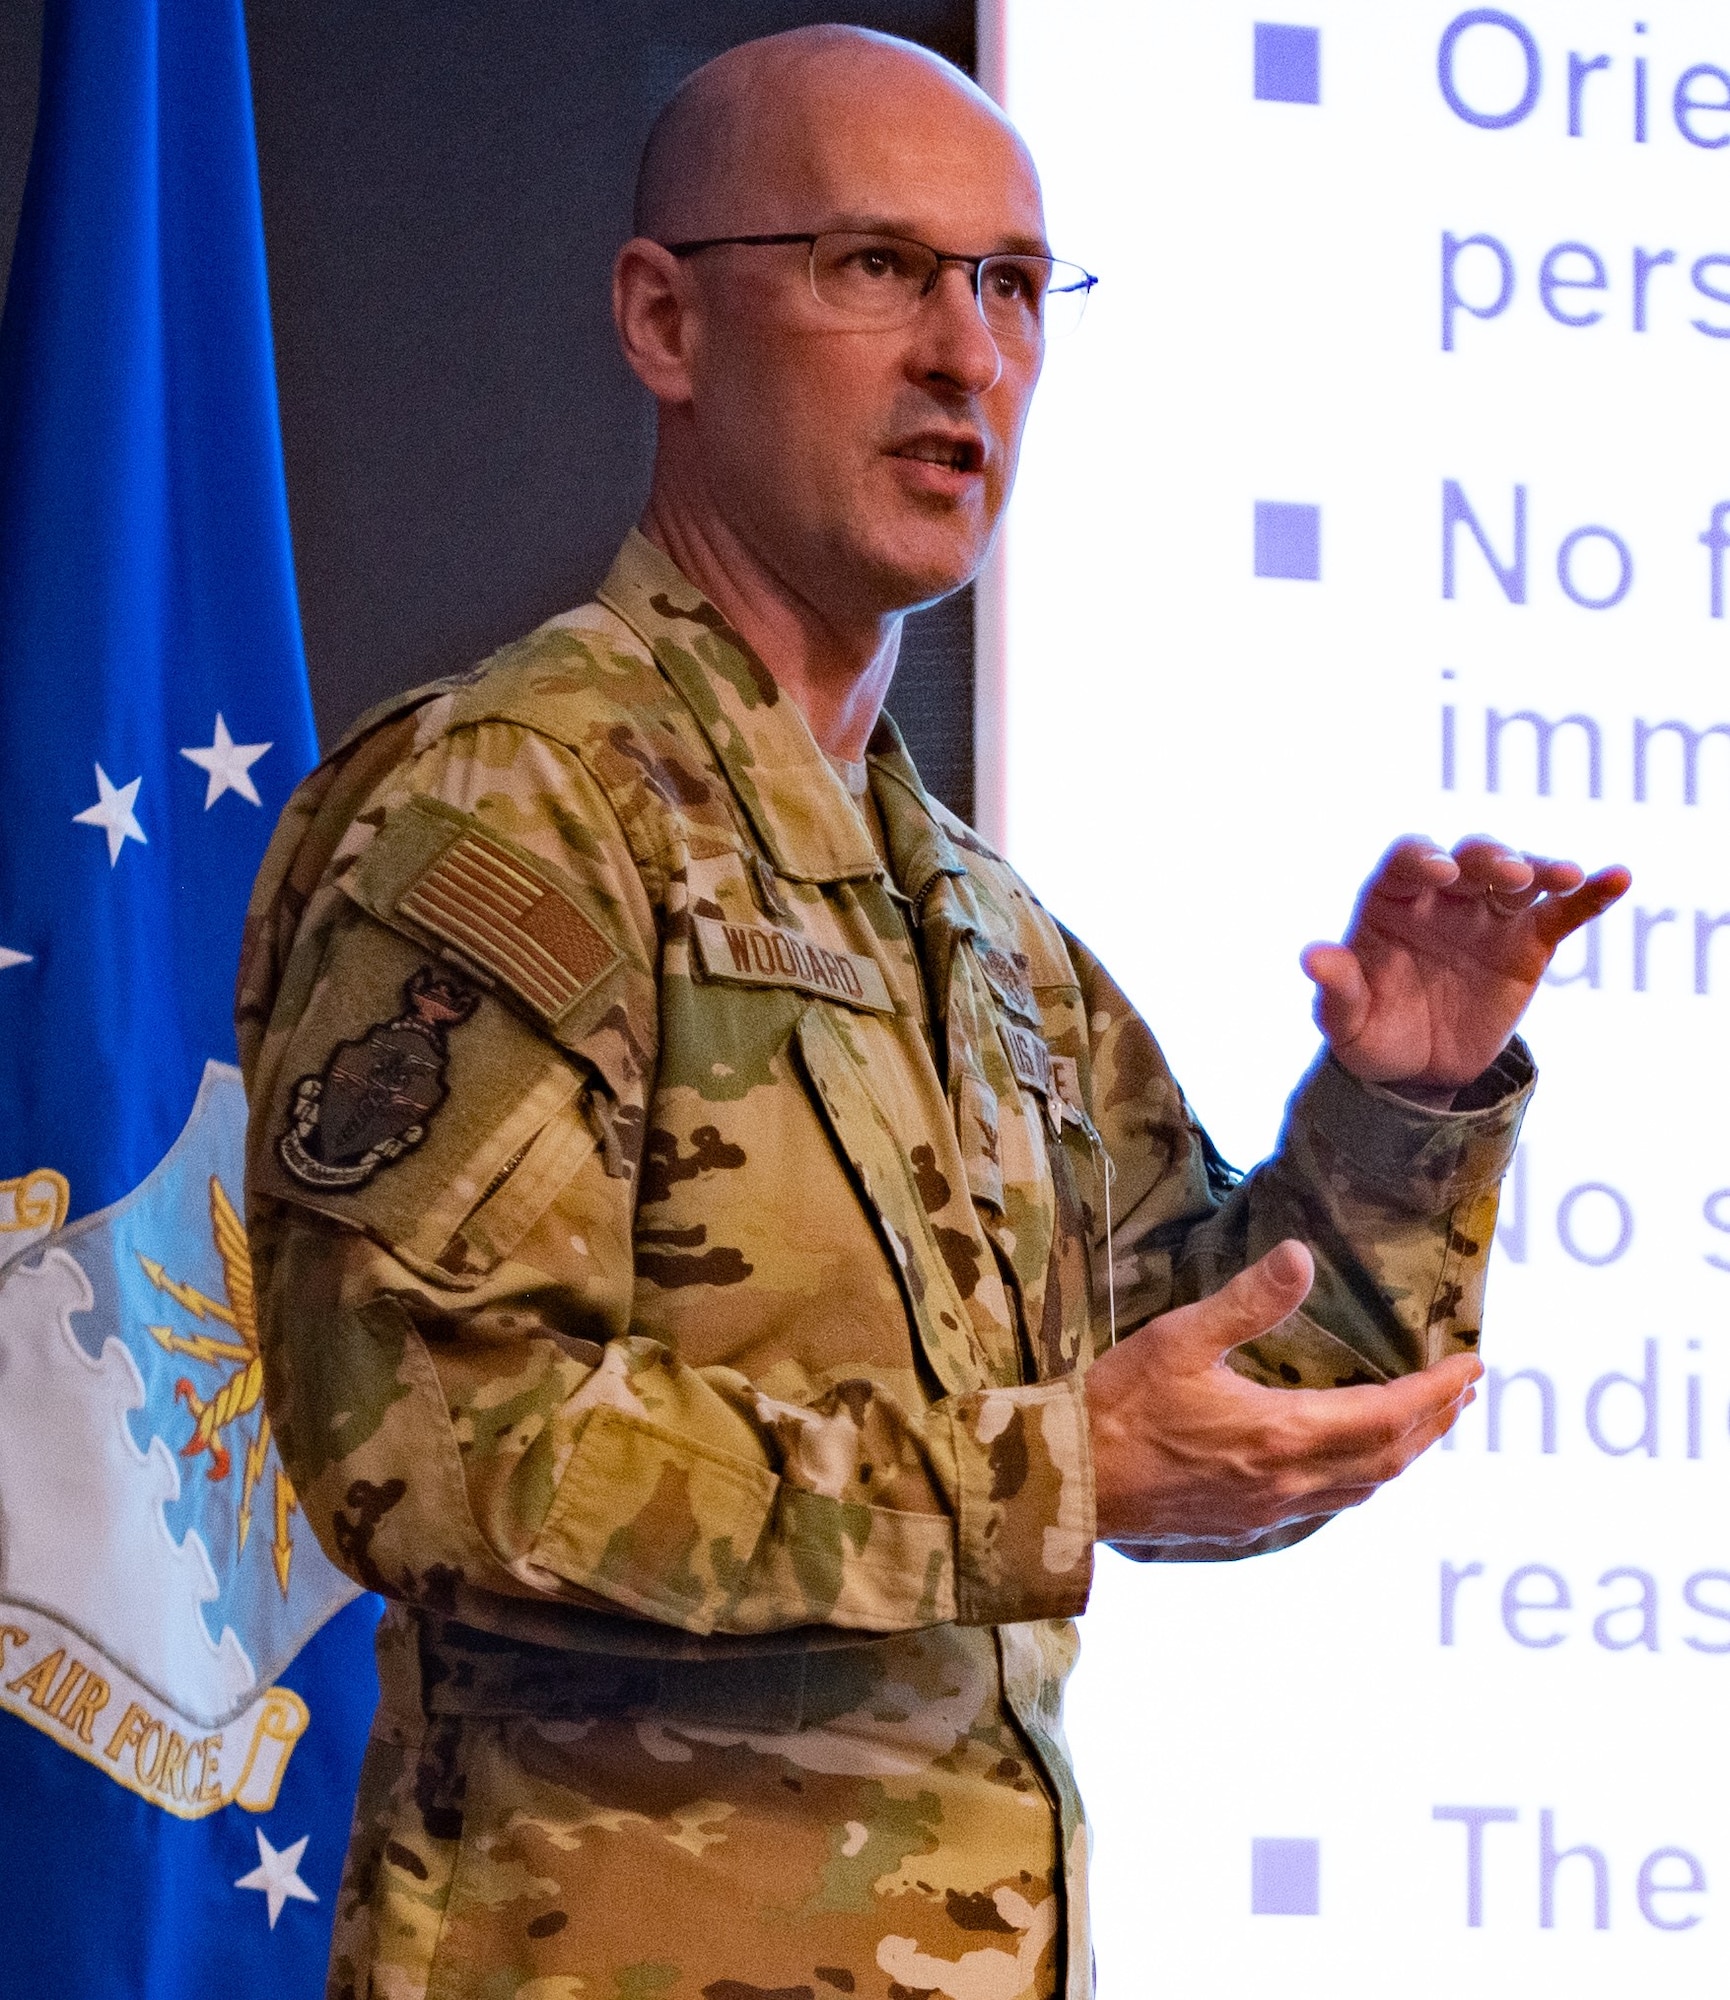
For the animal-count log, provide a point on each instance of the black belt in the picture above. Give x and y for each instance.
(465, 1671)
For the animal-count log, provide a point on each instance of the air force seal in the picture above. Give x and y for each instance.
(376, 1096)
(145, 1614)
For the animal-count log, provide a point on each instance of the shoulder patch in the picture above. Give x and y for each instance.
(490, 903)
(532, 936)
(375, 1097)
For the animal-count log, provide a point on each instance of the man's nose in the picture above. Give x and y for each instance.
(951, 337)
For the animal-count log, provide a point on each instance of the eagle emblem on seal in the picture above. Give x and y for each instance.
(375, 1097)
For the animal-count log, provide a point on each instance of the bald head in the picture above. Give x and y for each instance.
(850, 462)
(744, 136)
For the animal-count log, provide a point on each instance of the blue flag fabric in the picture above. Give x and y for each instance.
(185, 1681)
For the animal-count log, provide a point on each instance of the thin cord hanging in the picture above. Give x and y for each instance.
(1110, 1254)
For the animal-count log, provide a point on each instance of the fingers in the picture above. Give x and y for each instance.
(1412, 865)
(1544, 877)
(1342, 1003)
(1555, 878)
(1478, 865)
(1490, 868)
(1372, 1424)
(1326, 1487)
(1371, 1450)
(1186, 1448)
(1559, 890)
(1563, 916)
(1350, 1482)
(1254, 1302)
(1510, 883)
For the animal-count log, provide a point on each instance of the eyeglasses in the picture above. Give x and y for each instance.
(871, 279)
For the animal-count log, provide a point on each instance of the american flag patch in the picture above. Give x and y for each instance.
(478, 897)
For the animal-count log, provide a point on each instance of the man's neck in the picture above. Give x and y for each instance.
(837, 675)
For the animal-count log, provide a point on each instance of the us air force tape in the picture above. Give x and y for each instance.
(1028, 1057)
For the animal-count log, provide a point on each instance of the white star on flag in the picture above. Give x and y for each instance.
(226, 763)
(8, 959)
(278, 1875)
(113, 813)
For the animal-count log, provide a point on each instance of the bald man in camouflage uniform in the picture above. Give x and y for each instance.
(681, 1162)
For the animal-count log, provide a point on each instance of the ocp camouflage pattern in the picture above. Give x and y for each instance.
(701, 1383)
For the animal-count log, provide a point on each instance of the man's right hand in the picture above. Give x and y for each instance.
(1187, 1450)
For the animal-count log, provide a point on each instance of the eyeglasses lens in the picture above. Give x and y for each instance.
(874, 280)
(1027, 299)
(882, 280)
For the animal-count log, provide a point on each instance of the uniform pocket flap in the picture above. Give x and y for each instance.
(839, 1073)
(655, 1521)
(520, 1193)
(977, 1116)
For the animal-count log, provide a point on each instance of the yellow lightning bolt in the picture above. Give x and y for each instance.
(250, 1472)
(199, 1304)
(239, 1395)
(199, 1346)
(282, 1548)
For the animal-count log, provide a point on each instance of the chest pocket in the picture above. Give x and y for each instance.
(1028, 1161)
(939, 1279)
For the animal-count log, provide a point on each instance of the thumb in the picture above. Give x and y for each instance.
(1342, 1001)
(1255, 1301)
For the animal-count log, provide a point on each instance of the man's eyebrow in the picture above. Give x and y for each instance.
(1013, 242)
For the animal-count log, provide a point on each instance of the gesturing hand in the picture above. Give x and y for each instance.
(1443, 954)
(1187, 1450)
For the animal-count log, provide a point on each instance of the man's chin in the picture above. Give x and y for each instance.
(905, 579)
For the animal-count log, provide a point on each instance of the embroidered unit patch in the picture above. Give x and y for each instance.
(375, 1098)
(511, 923)
(762, 956)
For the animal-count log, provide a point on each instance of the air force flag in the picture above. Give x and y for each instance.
(183, 1695)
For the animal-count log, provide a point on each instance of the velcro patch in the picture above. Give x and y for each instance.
(1028, 1057)
(1066, 1075)
(478, 897)
(1008, 977)
(767, 955)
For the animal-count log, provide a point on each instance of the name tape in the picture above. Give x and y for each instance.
(761, 955)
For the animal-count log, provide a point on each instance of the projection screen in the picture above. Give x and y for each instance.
(1386, 487)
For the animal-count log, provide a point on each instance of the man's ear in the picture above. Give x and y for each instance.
(652, 311)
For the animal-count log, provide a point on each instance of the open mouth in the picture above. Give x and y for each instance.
(953, 454)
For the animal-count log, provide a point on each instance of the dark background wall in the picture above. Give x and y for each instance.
(445, 183)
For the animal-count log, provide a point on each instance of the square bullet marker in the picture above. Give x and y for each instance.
(1288, 64)
(1285, 1878)
(1288, 540)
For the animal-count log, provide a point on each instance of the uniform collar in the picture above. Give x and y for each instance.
(778, 774)
(920, 852)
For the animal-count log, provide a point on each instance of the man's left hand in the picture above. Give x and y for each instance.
(1443, 955)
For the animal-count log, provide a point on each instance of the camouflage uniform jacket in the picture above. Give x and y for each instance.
(679, 1240)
